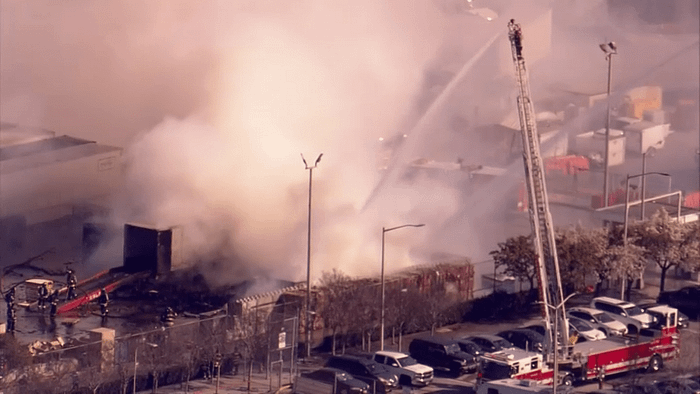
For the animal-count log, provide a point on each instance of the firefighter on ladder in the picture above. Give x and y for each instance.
(517, 37)
(103, 300)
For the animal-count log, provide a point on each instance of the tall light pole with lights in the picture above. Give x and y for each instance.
(384, 231)
(609, 49)
(308, 257)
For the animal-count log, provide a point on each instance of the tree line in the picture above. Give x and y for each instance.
(605, 254)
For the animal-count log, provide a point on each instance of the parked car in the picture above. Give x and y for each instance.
(379, 378)
(329, 381)
(686, 300)
(490, 343)
(441, 353)
(470, 348)
(599, 320)
(678, 386)
(585, 330)
(536, 327)
(624, 311)
(524, 339)
(539, 327)
(646, 305)
(405, 367)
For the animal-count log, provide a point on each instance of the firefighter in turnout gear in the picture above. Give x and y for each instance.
(43, 296)
(10, 297)
(72, 282)
(11, 313)
(517, 38)
(103, 300)
(54, 303)
(168, 317)
(11, 318)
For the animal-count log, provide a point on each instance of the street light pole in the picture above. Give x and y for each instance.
(609, 49)
(627, 209)
(308, 257)
(555, 377)
(384, 231)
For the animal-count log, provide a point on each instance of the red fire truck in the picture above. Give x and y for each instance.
(590, 359)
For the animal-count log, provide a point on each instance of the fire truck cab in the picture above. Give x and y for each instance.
(511, 363)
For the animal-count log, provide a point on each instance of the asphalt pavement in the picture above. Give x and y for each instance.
(259, 383)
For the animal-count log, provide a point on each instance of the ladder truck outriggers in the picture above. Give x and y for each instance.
(562, 361)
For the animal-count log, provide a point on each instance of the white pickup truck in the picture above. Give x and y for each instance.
(405, 367)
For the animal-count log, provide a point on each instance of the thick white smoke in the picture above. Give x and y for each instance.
(316, 77)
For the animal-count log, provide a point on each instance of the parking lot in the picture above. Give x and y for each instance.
(688, 362)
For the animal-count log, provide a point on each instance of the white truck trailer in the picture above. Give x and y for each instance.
(646, 137)
(592, 145)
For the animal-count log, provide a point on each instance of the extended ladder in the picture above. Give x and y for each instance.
(548, 277)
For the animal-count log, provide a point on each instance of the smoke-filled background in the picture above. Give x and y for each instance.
(215, 100)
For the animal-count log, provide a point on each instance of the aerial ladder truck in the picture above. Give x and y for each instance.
(561, 363)
(547, 265)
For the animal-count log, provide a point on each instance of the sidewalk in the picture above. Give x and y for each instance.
(228, 384)
(652, 277)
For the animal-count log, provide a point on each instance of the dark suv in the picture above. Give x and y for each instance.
(379, 378)
(524, 339)
(441, 353)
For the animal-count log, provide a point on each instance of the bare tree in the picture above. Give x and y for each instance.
(338, 289)
(124, 371)
(404, 302)
(251, 328)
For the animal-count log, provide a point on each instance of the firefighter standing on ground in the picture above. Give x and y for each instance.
(72, 282)
(43, 296)
(10, 296)
(11, 313)
(103, 300)
(54, 303)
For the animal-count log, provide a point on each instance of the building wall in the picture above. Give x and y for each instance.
(47, 189)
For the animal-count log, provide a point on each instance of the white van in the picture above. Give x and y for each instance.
(624, 311)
